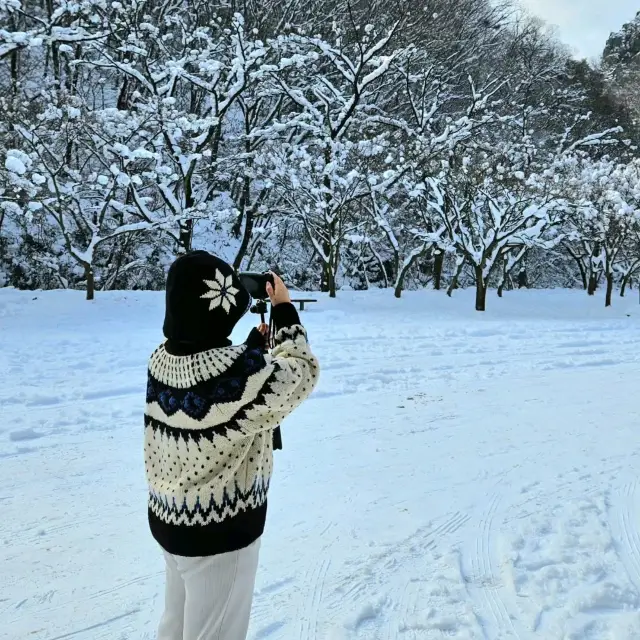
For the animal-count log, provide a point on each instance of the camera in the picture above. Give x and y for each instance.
(256, 284)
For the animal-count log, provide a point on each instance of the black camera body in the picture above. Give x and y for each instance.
(256, 284)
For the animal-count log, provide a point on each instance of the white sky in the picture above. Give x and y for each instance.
(584, 25)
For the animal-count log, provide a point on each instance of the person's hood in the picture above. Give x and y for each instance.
(204, 301)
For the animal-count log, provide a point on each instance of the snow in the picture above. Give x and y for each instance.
(25, 434)
(14, 164)
(455, 475)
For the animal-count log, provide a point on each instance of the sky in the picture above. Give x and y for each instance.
(584, 25)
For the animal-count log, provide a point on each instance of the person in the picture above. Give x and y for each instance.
(210, 415)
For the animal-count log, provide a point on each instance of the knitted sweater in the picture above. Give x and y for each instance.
(209, 424)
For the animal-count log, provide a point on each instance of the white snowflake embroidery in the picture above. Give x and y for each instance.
(222, 294)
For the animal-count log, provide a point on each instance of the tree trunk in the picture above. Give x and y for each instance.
(332, 283)
(91, 285)
(330, 246)
(609, 290)
(503, 277)
(383, 269)
(581, 267)
(454, 281)
(583, 275)
(523, 280)
(186, 236)
(595, 270)
(438, 265)
(14, 72)
(363, 266)
(123, 97)
(324, 279)
(328, 282)
(627, 281)
(246, 238)
(481, 290)
(399, 284)
(253, 252)
(401, 274)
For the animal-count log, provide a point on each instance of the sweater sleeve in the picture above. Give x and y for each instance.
(295, 368)
(291, 372)
(284, 315)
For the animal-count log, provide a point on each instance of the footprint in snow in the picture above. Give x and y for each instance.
(25, 434)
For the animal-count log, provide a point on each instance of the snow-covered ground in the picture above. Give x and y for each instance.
(456, 475)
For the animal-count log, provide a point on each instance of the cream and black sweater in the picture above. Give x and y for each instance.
(209, 426)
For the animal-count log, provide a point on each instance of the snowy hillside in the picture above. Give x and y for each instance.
(454, 475)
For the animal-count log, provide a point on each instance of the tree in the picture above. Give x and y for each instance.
(491, 214)
(185, 76)
(90, 184)
(257, 108)
(621, 61)
(629, 262)
(438, 106)
(319, 164)
(605, 212)
(402, 216)
(606, 109)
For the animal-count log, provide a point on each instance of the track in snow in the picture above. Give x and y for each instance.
(624, 520)
(493, 604)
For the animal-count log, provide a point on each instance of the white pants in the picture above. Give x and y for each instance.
(209, 598)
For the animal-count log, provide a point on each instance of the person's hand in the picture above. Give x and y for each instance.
(259, 337)
(278, 294)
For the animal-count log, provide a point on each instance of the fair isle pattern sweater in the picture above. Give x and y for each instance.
(209, 426)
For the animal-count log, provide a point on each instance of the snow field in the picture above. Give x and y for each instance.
(455, 475)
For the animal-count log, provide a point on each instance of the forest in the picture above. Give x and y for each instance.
(347, 144)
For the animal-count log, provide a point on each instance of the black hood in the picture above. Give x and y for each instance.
(204, 301)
